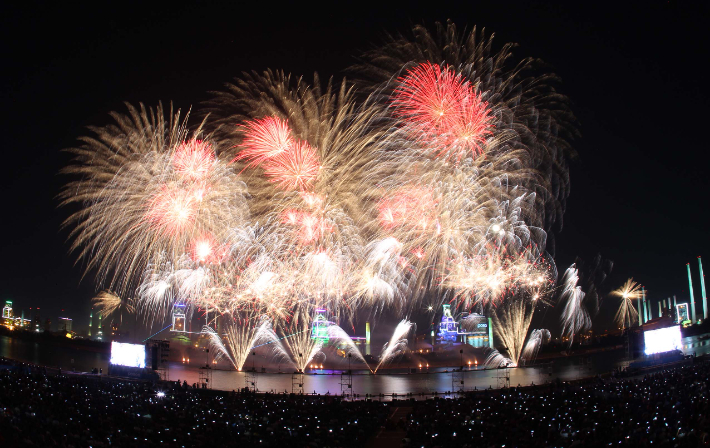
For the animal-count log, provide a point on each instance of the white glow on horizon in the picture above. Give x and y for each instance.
(131, 355)
(662, 340)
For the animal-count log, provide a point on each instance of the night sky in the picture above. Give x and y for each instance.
(635, 75)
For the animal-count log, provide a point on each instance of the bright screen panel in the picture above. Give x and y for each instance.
(131, 355)
(662, 340)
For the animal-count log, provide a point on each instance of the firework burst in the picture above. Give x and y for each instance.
(443, 182)
(575, 317)
(442, 110)
(146, 191)
(626, 314)
(110, 304)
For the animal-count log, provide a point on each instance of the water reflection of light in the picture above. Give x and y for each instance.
(388, 382)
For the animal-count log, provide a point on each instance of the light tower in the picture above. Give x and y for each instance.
(100, 332)
(490, 333)
(643, 299)
(692, 300)
(702, 287)
(91, 320)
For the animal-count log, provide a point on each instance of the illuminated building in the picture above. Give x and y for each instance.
(682, 313)
(7, 315)
(479, 333)
(65, 324)
(319, 329)
(179, 318)
(7, 310)
(448, 327)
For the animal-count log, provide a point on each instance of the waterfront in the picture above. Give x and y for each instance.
(391, 381)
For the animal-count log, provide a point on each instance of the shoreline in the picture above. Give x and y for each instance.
(389, 397)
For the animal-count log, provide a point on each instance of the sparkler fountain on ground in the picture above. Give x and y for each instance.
(511, 321)
(626, 315)
(495, 360)
(301, 346)
(397, 344)
(537, 339)
(346, 343)
(241, 335)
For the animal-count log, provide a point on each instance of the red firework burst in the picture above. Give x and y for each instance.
(430, 97)
(294, 169)
(443, 109)
(470, 132)
(264, 139)
(194, 159)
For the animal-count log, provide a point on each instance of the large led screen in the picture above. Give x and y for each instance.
(131, 355)
(662, 340)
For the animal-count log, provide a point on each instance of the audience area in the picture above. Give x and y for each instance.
(664, 409)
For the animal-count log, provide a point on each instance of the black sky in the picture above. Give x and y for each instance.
(636, 75)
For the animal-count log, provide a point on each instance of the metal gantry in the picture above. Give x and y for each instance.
(297, 383)
(503, 378)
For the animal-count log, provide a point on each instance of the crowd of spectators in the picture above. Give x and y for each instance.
(668, 408)
(665, 409)
(40, 409)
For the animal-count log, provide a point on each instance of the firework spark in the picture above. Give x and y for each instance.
(511, 321)
(575, 317)
(440, 107)
(536, 340)
(146, 189)
(302, 347)
(626, 314)
(495, 360)
(345, 342)
(241, 335)
(110, 304)
(397, 344)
